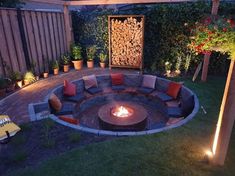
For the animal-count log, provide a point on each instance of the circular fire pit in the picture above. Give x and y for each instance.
(122, 116)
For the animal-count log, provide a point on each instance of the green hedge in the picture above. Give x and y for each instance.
(167, 31)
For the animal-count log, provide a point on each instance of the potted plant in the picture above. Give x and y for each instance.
(55, 67)
(90, 55)
(16, 79)
(103, 58)
(29, 78)
(45, 69)
(65, 61)
(12, 81)
(33, 66)
(3, 86)
(77, 57)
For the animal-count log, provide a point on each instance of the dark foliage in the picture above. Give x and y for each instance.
(167, 32)
(10, 3)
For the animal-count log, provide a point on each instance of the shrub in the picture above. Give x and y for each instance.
(29, 76)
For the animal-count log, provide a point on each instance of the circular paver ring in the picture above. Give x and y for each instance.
(130, 133)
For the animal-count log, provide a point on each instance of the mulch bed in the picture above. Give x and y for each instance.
(39, 141)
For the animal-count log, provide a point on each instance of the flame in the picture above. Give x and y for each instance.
(121, 112)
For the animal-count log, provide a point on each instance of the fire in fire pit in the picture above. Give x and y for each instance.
(122, 111)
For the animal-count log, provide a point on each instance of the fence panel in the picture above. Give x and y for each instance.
(57, 43)
(12, 61)
(17, 39)
(37, 41)
(43, 38)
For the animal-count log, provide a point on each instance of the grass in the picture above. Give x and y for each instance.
(16, 157)
(48, 141)
(74, 137)
(175, 152)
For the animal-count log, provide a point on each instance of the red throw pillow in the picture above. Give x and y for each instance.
(117, 79)
(69, 88)
(173, 89)
(69, 119)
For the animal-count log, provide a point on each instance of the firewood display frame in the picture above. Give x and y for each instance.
(129, 52)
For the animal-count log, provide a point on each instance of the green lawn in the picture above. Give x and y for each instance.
(178, 151)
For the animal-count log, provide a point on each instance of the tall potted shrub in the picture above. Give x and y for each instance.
(65, 62)
(55, 67)
(77, 57)
(103, 58)
(91, 50)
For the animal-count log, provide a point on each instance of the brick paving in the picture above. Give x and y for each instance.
(16, 105)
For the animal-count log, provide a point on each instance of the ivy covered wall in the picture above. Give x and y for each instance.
(167, 32)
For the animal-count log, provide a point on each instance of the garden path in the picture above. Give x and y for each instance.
(16, 104)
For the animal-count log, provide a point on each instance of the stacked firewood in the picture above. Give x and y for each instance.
(126, 42)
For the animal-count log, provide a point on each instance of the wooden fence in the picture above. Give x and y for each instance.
(30, 38)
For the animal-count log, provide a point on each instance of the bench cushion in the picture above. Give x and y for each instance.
(66, 109)
(145, 90)
(162, 84)
(175, 112)
(163, 96)
(187, 105)
(77, 98)
(118, 87)
(94, 90)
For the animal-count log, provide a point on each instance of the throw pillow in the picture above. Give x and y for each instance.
(55, 102)
(69, 88)
(117, 79)
(90, 81)
(172, 121)
(173, 89)
(69, 119)
(149, 81)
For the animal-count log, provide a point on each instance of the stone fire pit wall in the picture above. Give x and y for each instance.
(104, 81)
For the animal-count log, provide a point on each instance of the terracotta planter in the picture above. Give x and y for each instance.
(26, 82)
(56, 71)
(78, 64)
(37, 78)
(45, 75)
(19, 83)
(102, 64)
(66, 68)
(2, 92)
(90, 64)
(177, 72)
